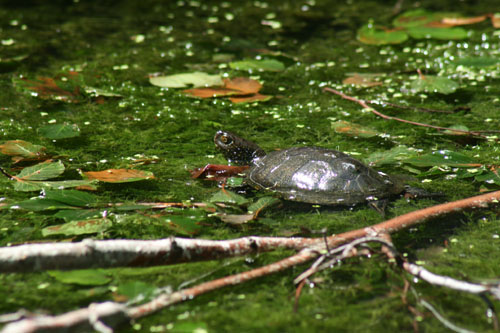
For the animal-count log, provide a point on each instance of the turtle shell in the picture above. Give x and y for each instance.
(320, 176)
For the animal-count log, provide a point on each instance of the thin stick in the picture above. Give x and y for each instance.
(384, 116)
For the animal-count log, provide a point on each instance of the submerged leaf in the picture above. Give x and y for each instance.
(71, 197)
(226, 196)
(65, 87)
(419, 17)
(60, 131)
(345, 127)
(435, 84)
(22, 150)
(196, 79)
(362, 80)
(29, 185)
(119, 175)
(390, 156)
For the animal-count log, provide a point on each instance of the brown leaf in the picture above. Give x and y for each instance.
(251, 98)
(495, 20)
(211, 92)
(236, 219)
(453, 21)
(361, 80)
(244, 85)
(119, 175)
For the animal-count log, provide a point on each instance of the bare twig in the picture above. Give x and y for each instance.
(364, 104)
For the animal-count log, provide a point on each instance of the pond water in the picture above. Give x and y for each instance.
(54, 55)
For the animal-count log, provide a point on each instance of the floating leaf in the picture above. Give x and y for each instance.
(226, 196)
(244, 85)
(210, 92)
(28, 185)
(345, 127)
(119, 175)
(419, 17)
(59, 131)
(443, 157)
(196, 79)
(83, 277)
(495, 20)
(41, 171)
(71, 197)
(78, 228)
(362, 80)
(452, 21)
(457, 130)
(431, 83)
(22, 150)
(250, 99)
(270, 65)
(96, 92)
(437, 33)
(370, 35)
(78, 214)
(40, 204)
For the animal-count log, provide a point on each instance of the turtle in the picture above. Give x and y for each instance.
(311, 175)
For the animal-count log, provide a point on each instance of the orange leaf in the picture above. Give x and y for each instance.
(495, 20)
(250, 98)
(243, 84)
(119, 175)
(452, 21)
(210, 92)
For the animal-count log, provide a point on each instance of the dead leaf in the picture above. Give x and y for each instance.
(235, 219)
(453, 21)
(362, 80)
(210, 92)
(250, 99)
(244, 85)
(119, 175)
(495, 20)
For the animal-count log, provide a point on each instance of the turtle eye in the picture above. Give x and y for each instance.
(226, 140)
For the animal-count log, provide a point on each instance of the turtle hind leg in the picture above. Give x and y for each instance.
(379, 206)
(416, 192)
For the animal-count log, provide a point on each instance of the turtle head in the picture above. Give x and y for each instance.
(236, 149)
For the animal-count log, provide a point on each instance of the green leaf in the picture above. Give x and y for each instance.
(59, 131)
(390, 156)
(351, 129)
(435, 84)
(71, 197)
(442, 157)
(78, 228)
(28, 185)
(137, 291)
(78, 214)
(262, 203)
(196, 79)
(489, 177)
(39, 204)
(42, 171)
(437, 33)
(226, 196)
(270, 65)
(477, 61)
(185, 225)
(83, 277)
(368, 34)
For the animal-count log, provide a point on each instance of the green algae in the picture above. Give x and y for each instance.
(115, 46)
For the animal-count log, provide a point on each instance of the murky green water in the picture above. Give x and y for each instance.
(115, 46)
